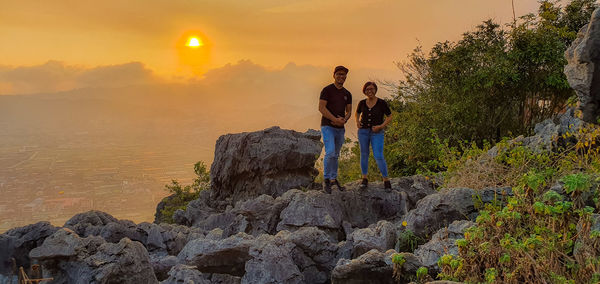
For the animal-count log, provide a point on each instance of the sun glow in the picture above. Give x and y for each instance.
(194, 42)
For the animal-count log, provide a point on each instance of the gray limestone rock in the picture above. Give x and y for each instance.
(442, 242)
(271, 262)
(69, 258)
(18, 242)
(439, 210)
(583, 68)
(380, 236)
(270, 161)
(371, 267)
(227, 256)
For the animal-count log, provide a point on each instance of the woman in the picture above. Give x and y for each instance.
(370, 122)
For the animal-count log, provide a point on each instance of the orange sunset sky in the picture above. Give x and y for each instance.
(359, 34)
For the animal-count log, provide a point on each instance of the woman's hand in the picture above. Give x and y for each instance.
(358, 124)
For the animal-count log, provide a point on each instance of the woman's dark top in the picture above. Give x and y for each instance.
(372, 116)
(337, 99)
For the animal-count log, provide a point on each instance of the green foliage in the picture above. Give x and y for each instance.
(182, 195)
(532, 238)
(492, 83)
(408, 241)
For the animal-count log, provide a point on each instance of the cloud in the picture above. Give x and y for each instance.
(56, 76)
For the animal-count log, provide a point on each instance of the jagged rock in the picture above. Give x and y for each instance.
(260, 215)
(271, 262)
(442, 242)
(415, 188)
(380, 236)
(371, 267)
(18, 242)
(583, 68)
(313, 209)
(314, 253)
(69, 258)
(270, 161)
(162, 264)
(182, 273)
(98, 223)
(227, 256)
(548, 134)
(359, 208)
(439, 210)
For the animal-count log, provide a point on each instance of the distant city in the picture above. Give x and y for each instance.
(40, 182)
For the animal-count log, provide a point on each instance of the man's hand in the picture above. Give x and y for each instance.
(376, 128)
(358, 124)
(338, 121)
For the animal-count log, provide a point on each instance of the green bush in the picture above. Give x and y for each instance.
(182, 195)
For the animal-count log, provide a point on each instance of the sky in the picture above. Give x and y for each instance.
(91, 39)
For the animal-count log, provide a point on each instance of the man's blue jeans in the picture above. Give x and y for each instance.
(366, 137)
(333, 138)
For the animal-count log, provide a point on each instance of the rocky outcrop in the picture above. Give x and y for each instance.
(371, 267)
(337, 214)
(18, 242)
(441, 243)
(583, 68)
(69, 258)
(440, 209)
(270, 162)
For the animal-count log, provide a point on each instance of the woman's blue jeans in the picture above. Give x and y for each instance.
(333, 138)
(375, 139)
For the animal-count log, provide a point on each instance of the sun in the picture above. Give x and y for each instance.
(194, 42)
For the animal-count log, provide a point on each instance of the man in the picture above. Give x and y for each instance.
(335, 104)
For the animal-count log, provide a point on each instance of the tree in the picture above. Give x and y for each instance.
(492, 83)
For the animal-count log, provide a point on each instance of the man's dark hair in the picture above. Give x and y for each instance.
(367, 84)
(340, 68)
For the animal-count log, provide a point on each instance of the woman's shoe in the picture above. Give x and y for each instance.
(364, 183)
(387, 185)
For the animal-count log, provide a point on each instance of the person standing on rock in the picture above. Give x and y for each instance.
(370, 121)
(335, 104)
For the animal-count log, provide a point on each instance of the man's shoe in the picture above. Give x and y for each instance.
(364, 183)
(327, 186)
(387, 185)
(340, 188)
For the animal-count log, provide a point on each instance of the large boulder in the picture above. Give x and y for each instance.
(380, 236)
(371, 267)
(18, 242)
(69, 258)
(583, 68)
(441, 243)
(270, 161)
(440, 209)
(271, 262)
(218, 256)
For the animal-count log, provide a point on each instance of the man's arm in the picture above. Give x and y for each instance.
(348, 112)
(327, 114)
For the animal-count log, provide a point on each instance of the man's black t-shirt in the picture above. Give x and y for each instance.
(337, 99)
(372, 116)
